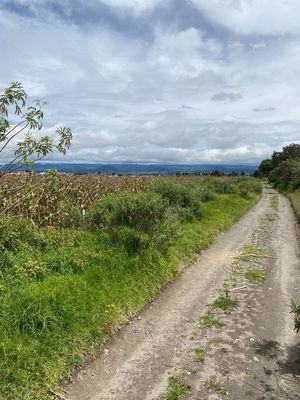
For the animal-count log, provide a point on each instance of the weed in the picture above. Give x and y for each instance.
(270, 217)
(253, 250)
(224, 303)
(176, 390)
(255, 275)
(200, 353)
(274, 203)
(215, 386)
(249, 252)
(208, 321)
(193, 335)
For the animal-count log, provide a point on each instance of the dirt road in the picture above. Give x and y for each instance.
(254, 355)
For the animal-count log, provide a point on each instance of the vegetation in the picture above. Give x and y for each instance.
(215, 386)
(288, 156)
(283, 172)
(255, 275)
(250, 252)
(200, 353)
(27, 121)
(295, 201)
(224, 303)
(295, 308)
(208, 321)
(66, 285)
(176, 390)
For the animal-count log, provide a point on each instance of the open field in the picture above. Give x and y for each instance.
(65, 290)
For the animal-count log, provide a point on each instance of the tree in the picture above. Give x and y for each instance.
(288, 153)
(291, 152)
(265, 167)
(29, 120)
(286, 175)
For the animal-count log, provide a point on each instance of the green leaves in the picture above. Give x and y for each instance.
(14, 96)
(65, 138)
(29, 148)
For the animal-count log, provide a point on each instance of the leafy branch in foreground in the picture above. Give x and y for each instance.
(28, 149)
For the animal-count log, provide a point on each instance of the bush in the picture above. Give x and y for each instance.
(286, 176)
(246, 187)
(206, 194)
(220, 185)
(135, 221)
(140, 210)
(11, 233)
(183, 197)
(68, 215)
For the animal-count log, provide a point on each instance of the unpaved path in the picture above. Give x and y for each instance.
(254, 356)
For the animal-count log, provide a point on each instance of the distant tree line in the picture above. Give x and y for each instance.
(283, 168)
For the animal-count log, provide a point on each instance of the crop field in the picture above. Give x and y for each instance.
(38, 197)
(70, 277)
(41, 197)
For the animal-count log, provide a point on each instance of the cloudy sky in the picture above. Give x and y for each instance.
(191, 81)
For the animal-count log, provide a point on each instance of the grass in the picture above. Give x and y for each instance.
(270, 217)
(295, 201)
(200, 353)
(255, 275)
(253, 250)
(224, 303)
(194, 335)
(64, 291)
(208, 320)
(249, 252)
(274, 203)
(176, 390)
(215, 386)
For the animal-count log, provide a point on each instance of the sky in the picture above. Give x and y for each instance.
(181, 81)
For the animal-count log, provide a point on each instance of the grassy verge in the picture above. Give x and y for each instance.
(49, 321)
(295, 200)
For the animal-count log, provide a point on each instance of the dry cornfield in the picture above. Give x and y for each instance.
(38, 197)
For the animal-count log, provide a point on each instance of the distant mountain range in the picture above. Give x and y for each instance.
(141, 168)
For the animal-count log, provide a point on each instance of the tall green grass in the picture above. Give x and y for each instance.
(64, 291)
(295, 201)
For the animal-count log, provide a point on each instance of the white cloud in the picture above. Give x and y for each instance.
(148, 96)
(254, 16)
(136, 5)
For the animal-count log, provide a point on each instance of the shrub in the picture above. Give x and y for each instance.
(68, 215)
(220, 185)
(11, 233)
(286, 176)
(131, 239)
(140, 210)
(135, 221)
(206, 194)
(183, 197)
(246, 187)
